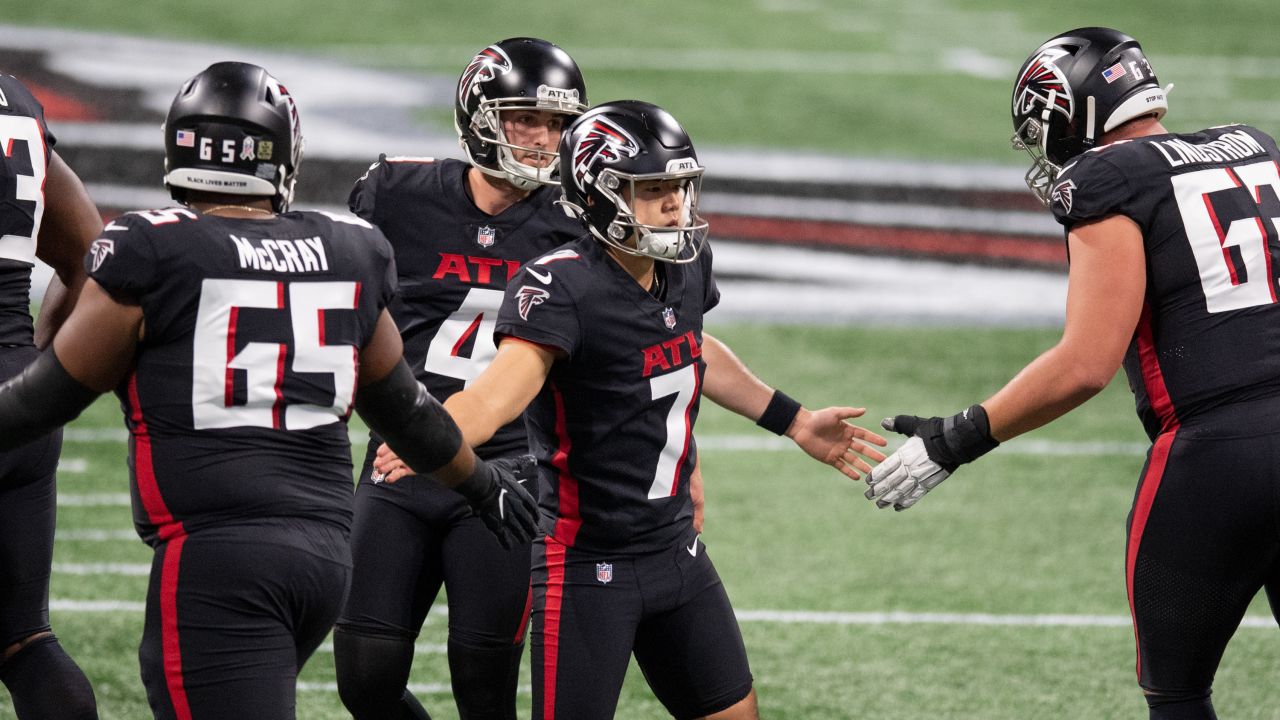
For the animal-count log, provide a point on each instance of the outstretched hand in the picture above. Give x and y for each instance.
(826, 436)
(935, 447)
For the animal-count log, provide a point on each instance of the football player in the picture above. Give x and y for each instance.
(459, 230)
(45, 213)
(238, 335)
(602, 340)
(1173, 246)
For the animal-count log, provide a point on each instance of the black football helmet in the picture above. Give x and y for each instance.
(233, 128)
(516, 73)
(609, 151)
(1074, 88)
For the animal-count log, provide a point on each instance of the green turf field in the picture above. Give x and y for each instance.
(1015, 534)
(918, 78)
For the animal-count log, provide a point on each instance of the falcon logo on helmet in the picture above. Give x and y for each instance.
(527, 297)
(488, 64)
(1041, 79)
(603, 142)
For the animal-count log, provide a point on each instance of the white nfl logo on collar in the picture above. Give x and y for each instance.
(604, 572)
(485, 236)
(669, 318)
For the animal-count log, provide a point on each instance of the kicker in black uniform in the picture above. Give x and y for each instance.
(602, 340)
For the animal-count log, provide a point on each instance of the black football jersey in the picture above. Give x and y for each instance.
(25, 144)
(246, 373)
(613, 426)
(1208, 205)
(454, 262)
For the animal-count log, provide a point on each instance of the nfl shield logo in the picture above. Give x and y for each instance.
(669, 318)
(604, 572)
(485, 236)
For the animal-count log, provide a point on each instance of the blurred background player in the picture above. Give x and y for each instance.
(45, 213)
(459, 231)
(602, 340)
(1174, 248)
(235, 334)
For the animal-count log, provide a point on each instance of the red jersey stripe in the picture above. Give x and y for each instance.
(169, 640)
(569, 521)
(551, 626)
(1152, 377)
(1141, 511)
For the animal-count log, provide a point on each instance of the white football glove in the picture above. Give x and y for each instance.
(904, 477)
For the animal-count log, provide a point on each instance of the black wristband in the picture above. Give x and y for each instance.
(781, 411)
(480, 485)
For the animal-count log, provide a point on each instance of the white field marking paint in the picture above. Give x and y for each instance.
(753, 442)
(93, 500)
(73, 465)
(765, 443)
(97, 535)
(792, 617)
(902, 215)
(425, 648)
(797, 617)
(96, 606)
(415, 688)
(118, 569)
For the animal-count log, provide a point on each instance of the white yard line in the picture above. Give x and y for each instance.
(756, 442)
(66, 499)
(793, 617)
(97, 535)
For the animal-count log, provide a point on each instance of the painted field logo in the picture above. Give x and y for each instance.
(604, 572)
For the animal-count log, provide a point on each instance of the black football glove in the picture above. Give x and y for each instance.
(937, 447)
(523, 467)
(500, 500)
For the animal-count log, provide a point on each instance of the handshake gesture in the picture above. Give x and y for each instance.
(935, 448)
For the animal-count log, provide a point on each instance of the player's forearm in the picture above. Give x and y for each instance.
(729, 384)
(415, 425)
(42, 399)
(477, 419)
(59, 298)
(1052, 385)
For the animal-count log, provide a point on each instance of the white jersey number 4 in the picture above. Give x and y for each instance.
(475, 318)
